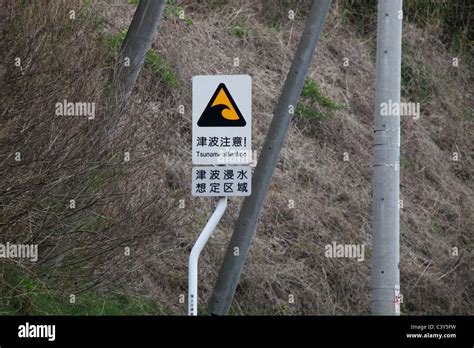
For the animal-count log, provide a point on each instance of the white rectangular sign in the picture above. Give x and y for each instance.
(221, 181)
(222, 119)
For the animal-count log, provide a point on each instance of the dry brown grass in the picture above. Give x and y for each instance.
(65, 157)
(332, 197)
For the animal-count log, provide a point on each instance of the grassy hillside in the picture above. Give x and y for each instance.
(134, 221)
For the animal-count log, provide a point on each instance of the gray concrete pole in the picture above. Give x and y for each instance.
(137, 42)
(133, 51)
(386, 167)
(245, 227)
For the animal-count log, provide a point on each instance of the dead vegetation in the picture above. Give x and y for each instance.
(315, 197)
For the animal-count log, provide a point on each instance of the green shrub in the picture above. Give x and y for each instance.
(160, 68)
(314, 105)
(238, 31)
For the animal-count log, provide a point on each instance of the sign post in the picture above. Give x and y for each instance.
(194, 256)
(221, 149)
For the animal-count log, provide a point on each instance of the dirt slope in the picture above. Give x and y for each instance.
(316, 197)
(331, 197)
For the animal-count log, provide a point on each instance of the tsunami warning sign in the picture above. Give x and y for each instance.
(222, 114)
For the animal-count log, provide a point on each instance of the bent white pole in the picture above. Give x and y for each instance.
(196, 251)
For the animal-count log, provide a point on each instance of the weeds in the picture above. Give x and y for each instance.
(172, 10)
(436, 228)
(453, 18)
(416, 76)
(64, 158)
(314, 105)
(158, 66)
(238, 32)
(21, 293)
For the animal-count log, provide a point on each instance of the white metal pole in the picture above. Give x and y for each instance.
(386, 178)
(196, 251)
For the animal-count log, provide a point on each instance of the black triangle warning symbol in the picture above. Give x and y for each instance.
(221, 111)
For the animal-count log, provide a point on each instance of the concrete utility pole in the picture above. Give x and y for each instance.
(137, 42)
(132, 56)
(386, 167)
(245, 227)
